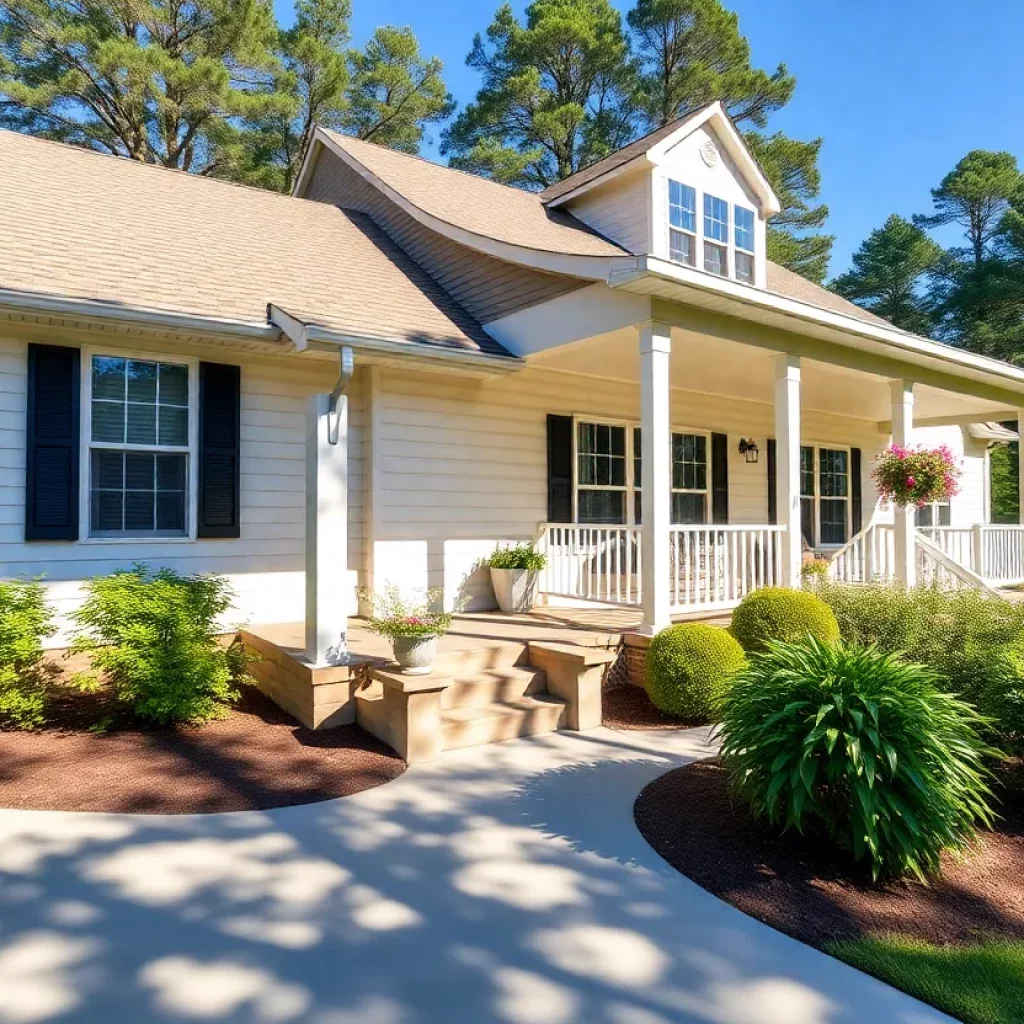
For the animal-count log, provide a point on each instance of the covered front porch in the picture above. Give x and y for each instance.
(752, 453)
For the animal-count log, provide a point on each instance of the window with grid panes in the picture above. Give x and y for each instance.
(139, 447)
(600, 473)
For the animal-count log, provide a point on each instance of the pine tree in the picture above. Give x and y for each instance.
(154, 80)
(976, 194)
(395, 92)
(555, 93)
(888, 270)
(691, 53)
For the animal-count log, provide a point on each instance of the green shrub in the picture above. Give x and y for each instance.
(858, 745)
(973, 642)
(154, 637)
(25, 619)
(519, 556)
(689, 667)
(775, 613)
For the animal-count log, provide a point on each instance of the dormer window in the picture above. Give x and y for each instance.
(682, 219)
(716, 235)
(744, 223)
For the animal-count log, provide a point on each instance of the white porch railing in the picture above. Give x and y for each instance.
(869, 555)
(712, 567)
(1002, 554)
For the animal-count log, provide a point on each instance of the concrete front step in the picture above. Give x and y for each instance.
(492, 686)
(491, 723)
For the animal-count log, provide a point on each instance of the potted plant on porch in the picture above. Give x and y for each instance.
(515, 573)
(413, 627)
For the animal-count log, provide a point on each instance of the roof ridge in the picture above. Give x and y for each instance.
(128, 161)
(433, 163)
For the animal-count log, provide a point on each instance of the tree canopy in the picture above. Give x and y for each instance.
(571, 84)
(211, 86)
(887, 273)
(555, 95)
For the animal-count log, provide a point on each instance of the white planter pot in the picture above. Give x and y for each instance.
(415, 654)
(515, 589)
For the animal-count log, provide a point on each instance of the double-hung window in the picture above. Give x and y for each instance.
(716, 235)
(824, 495)
(689, 477)
(139, 441)
(601, 485)
(682, 223)
(744, 243)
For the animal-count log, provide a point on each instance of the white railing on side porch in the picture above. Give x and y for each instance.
(1001, 551)
(869, 555)
(711, 567)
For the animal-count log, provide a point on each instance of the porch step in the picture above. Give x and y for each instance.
(474, 660)
(493, 686)
(505, 720)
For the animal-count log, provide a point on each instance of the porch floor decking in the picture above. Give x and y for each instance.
(585, 627)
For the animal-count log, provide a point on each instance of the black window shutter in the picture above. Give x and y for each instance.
(773, 483)
(52, 438)
(719, 478)
(559, 469)
(219, 450)
(857, 501)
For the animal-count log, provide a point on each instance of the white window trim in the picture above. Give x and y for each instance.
(631, 489)
(935, 506)
(727, 245)
(737, 248)
(86, 445)
(848, 500)
(692, 235)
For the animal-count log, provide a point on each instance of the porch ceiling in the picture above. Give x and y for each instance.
(717, 366)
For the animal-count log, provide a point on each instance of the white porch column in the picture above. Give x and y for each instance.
(787, 465)
(1020, 466)
(327, 601)
(902, 434)
(656, 439)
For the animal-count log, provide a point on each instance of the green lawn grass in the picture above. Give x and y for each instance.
(978, 984)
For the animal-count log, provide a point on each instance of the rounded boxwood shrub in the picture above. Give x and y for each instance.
(859, 746)
(777, 613)
(689, 667)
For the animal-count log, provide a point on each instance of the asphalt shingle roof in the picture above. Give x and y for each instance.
(78, 224)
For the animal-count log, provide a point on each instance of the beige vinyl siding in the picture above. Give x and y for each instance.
(619, 210)
(487, 288)
(266, 564)
(970, 505)
(463, 464)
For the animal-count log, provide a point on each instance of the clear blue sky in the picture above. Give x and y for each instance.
(899, 89)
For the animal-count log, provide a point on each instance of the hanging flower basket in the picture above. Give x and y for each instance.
(916, 476)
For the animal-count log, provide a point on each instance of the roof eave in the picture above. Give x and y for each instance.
(740, 300)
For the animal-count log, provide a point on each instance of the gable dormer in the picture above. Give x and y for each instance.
(690, 193)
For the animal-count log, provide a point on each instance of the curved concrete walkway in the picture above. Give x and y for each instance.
(506, 883)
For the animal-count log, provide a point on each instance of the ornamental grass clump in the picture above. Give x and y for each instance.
(861, 747)
(153, 637)
(916, 476)
(689, 667)
(25, 619)
(777, 613)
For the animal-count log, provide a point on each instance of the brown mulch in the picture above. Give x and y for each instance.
(256, 758)
(801, 889)
(628, 707)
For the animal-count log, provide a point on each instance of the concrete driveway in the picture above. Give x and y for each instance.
(504, 883)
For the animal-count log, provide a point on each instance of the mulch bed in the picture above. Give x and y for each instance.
(688, 816)
(256, 758)
(628, 707)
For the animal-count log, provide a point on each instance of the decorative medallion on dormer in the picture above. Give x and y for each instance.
(709, 152)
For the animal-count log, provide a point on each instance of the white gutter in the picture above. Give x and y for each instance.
(304, 334)
(725, 293)
(95, 309)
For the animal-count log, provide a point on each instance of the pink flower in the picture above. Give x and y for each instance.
(910, 481)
